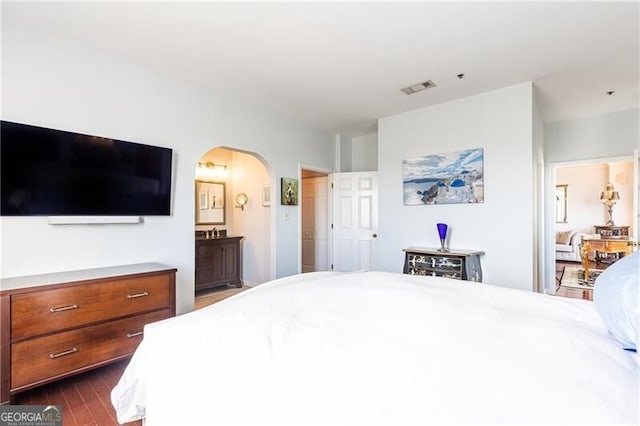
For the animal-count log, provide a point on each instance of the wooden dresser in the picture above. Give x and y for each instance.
(60, 324)
(218, 262)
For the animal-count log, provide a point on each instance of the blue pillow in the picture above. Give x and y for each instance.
(617, 300)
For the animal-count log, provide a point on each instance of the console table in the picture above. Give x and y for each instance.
(60, 324)
(607, 250)
(457, 264)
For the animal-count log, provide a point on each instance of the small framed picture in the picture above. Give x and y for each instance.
(266, 194)
(289, 191)
(203, 198)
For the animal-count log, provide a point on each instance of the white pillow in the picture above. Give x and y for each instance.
(617, 300)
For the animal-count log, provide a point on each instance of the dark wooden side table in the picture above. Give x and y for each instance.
(457, 264)
(612, 232)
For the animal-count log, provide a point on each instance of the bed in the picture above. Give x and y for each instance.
(378, 348)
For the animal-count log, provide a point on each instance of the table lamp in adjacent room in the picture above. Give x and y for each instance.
(609, 197)
(442, 233)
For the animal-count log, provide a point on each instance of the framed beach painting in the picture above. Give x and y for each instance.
(449, 178)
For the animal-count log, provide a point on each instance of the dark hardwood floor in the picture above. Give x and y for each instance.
(209, 297)
(86, 398)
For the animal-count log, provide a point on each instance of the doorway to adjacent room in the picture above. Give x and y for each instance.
(231, 210)
(582, 211)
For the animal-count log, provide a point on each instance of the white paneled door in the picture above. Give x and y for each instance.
(315, 224)
(355, 220)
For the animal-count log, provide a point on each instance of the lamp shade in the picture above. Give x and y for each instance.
(609, 194)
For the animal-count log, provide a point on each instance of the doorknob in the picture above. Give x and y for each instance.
(374, 236)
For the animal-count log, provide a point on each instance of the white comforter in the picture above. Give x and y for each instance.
(380, 348)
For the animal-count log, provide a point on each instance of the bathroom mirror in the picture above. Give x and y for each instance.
(210, 203)
(561, 203)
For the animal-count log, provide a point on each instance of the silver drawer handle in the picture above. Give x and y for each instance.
(130, 335)
(64, 308)
(133, 296)
(59, 354)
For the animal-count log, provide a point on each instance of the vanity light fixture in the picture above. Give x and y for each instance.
(211, 170)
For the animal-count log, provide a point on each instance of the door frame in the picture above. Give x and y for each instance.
(549, 281)
(327, 172)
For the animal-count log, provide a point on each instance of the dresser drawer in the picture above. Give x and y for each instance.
(57, 354)
(42, 312)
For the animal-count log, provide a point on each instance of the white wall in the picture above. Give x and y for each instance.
(358, 154)
(60, 84)
(584, 209)
(539, 275)
(345, 150)
(607, 135)
(621, 176)
(364, 153)
(253, 222)
(500, 122)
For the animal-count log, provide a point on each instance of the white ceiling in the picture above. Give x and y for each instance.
(340, 66)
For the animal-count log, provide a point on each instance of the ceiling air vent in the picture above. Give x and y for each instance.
(419, 87)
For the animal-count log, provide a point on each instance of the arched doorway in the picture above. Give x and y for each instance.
(236, 172)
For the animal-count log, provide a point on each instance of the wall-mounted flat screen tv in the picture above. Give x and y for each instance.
(47, 172)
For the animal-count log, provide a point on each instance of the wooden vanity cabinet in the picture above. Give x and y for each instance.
(218, 262)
